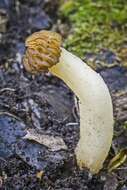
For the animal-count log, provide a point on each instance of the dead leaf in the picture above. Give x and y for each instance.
(53, 143)
(117, 160)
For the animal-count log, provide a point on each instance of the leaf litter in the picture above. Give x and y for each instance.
(53, 143)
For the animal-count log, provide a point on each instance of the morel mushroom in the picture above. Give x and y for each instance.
(44, 53)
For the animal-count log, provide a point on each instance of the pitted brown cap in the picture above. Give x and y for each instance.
(43, 51)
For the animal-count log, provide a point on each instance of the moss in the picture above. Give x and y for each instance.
(125, 125)
(96, 24)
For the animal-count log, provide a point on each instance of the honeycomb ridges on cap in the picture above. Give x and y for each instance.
(43, 51)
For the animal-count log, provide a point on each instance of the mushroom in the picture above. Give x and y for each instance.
(44, 53)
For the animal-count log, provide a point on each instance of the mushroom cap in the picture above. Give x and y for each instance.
(43, 51)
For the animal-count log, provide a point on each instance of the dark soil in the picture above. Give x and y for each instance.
(46, 104)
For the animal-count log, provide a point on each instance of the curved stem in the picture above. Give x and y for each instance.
(96, 113)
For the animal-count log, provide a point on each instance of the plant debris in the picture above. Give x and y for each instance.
(117, 160)
(53, 143)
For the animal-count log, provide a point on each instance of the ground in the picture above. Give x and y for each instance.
(45, 104)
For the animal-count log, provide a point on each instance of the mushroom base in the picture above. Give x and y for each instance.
(86, 161)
